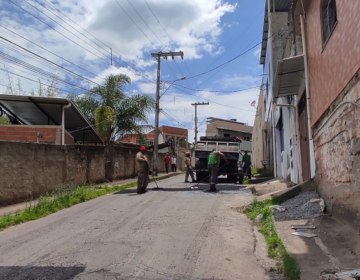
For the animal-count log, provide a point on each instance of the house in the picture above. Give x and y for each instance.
(230, 128)
(311, 59)
(175, 136)
(45, 120)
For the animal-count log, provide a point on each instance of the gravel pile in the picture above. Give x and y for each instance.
(299, 208)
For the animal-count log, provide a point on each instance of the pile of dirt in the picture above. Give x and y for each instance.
(299, 208)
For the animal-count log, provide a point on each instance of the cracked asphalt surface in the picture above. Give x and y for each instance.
(170, 233)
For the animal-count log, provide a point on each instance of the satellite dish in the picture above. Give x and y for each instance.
(253, 103)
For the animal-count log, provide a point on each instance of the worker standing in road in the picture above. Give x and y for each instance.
(246, 160)
(188, 168)
(167, 160)
(213, 166)
(143, 169)
(173, 163)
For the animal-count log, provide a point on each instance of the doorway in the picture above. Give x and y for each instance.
(304, 138)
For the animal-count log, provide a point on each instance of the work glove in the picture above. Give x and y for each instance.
(150, 172)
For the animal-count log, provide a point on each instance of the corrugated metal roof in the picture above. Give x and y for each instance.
(280, 6)
(289, 75)
(34, 110)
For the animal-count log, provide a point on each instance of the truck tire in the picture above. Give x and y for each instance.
(232, 178)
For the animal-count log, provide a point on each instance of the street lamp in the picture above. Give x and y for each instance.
(181, 79)
(157, 112)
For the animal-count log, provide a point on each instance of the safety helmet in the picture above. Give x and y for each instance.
(142, 148)
(187, 153)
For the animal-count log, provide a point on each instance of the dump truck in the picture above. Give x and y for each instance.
(230, 147)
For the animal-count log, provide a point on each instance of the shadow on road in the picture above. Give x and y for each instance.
(189, 187)
(39, 272)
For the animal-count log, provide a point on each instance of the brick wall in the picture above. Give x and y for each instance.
(28, 170)
(29, 133)
(337, 155)
(332, 68)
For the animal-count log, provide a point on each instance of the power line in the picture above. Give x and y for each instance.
(212, 101)
(68, 24)
(63, 27)
(134, 22)
(49, 51)
(227, 62)
(219, 91)
(57, 31)
(75, 23)
(37, 81)
(52, 63)
(123, 59)
(146, 23)
(166, 33)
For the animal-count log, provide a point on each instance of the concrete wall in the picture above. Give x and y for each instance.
(337, 154)
(29, 133)
(28, 170)
(332, 66)
(258, 133)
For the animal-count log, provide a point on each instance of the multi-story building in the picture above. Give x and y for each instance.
(230, 128)
(311, 60)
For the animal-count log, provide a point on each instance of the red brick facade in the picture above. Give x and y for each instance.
(28, 133)
(332, 66)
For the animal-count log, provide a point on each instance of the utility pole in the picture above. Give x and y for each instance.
(111, 56)
(157, 107)
(197, 104)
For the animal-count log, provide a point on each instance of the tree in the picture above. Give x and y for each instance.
(4, 120)
(112, 112)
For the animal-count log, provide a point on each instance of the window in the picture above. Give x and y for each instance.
(328, 18)
(226, 135)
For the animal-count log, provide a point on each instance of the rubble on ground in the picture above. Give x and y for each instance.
(299, 208)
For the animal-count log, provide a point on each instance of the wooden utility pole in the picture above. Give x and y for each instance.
(197, 104)
(157, 107)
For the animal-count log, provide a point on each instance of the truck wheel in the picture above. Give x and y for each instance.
(232, 178)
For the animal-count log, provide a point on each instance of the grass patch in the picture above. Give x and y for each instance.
(267, 173)
(254, 170)
(276, 249)
(53, 202)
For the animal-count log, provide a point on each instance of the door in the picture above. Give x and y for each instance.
(304, 139)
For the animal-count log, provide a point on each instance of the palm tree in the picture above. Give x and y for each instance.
(113, 113)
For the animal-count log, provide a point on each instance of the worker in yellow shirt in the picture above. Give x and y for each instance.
(188, 168)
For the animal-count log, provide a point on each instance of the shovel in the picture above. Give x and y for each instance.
(152, 174)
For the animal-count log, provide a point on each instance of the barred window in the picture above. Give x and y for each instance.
(328, 18)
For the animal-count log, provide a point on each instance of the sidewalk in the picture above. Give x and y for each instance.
(337, 246)
(12, 209)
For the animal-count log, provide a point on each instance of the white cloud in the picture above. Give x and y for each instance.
(257, 51)
(240, 81)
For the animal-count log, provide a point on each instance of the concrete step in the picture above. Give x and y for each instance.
(260, 180)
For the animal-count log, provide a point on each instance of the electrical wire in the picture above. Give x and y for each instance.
(166, 33)
(66, 28)
(69, 24)
(133, 21)
(58, 31)
(219, 91)
(50, 62)
(49, 51)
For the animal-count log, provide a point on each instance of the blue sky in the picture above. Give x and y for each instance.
(209, 32)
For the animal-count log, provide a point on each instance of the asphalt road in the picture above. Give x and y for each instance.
(172, 233)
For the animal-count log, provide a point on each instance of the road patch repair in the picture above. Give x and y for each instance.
(323, 247)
